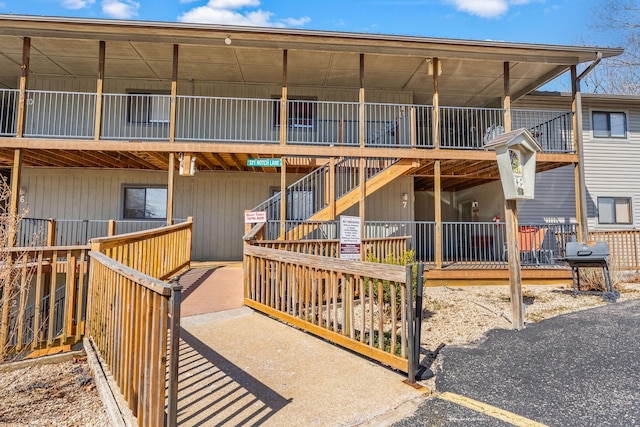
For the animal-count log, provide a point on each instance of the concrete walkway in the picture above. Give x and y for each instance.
(239, 367)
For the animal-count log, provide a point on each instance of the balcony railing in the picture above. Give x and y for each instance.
(136, 116)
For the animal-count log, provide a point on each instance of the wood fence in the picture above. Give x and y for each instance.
(624, 247)
(160, 253)
(43, 298)
(380, 248)
(359, 305)
(127, 318)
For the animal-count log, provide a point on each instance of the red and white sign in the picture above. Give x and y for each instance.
(350, 240)
(255, 217)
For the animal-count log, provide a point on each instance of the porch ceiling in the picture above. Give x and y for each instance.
(456, 174)
(471, 71)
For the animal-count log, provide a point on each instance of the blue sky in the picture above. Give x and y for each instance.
(530, 21)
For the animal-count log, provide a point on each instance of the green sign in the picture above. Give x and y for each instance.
(264, 163)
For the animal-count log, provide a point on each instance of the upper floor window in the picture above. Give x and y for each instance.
(145, 202)
(301, 113)
(608, 124)
(146, 107)
(614, 210)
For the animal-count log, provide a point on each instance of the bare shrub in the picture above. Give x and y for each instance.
(15, 279)
(592, 278)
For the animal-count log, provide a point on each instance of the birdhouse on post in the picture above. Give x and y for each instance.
(516, 155)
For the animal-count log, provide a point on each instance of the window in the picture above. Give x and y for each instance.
(148, 108)
(301, 112)
(145, 203)
(614, 210)
(609, 124)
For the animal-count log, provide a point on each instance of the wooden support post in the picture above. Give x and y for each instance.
(99, 88)
(170, 187)
(578, 169)
(437, 195)
(111, 229)
(511, 222)
(14, 203)
(361, 112)
(361, 207)
(436, 105)
(513, 254)
(332, 188)
(283, 199)
(283, 100)
(174, 95)
(506, 100)
(24, 81)
(51, 232)
(412, 125)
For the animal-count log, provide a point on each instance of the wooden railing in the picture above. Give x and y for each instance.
(380, 248)
(359, 305)
(624, 247)
(160, 253)
(46, 308)
(127, 318)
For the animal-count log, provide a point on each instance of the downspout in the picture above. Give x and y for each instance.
(581, 213)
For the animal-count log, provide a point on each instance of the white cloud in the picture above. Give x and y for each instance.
(235, 12)
(120, 9)
(77, 4)
(486, 8)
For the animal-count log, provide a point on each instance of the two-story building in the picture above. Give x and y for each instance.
(105, 119)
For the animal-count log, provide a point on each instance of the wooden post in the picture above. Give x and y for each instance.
(361, 207)
(24, 80)
(437, 195)
(436, 105)
(51, 232)
(111, 230)
(170, 187)
(362, 177)
(283, 199)
(283, 100)
(511, 222)
(412, 125)
(99, 89)
(14, 203)
(578, 168)
(361, 115)
(437, 173)
(174, 95)
(174, 352)
(332, 188)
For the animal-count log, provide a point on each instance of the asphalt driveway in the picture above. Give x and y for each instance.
(580, 369)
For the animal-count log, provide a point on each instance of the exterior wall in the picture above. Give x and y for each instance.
(611, 164)
(425, 206)
(216, 200)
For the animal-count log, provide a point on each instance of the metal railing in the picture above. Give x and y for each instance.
(421, 235)
(202, 118)
(322, 123)
(60, 114)
(8, 111)
(468, 128)
(144, 116)
(552, 129)
(135, 116)
(34, 231)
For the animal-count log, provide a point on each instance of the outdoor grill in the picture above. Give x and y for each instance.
(591, 254)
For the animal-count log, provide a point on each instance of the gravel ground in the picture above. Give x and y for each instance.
(64, 394)
(61, 394)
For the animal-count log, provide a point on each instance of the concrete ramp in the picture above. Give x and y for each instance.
(209, 288)
(243, 368)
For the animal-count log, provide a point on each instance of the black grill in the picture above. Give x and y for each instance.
(592, 254)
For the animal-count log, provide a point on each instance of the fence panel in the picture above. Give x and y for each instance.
(624, 246)
(360, 306)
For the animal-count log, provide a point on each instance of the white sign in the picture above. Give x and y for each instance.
(350, 238)
(255, 217)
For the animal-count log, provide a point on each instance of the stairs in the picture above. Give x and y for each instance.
(309, 198)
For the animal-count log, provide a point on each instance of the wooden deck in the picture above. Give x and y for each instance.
(471, 274)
